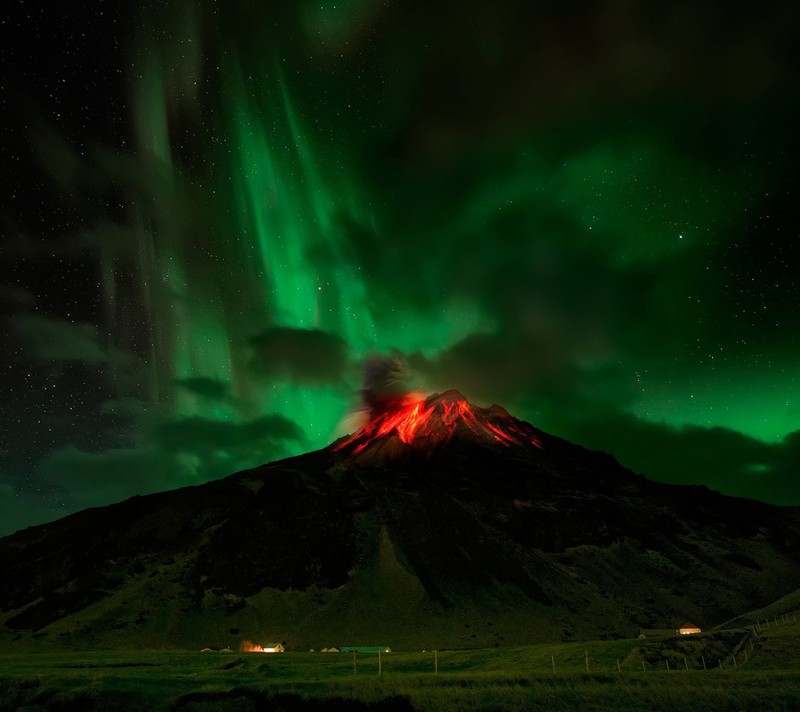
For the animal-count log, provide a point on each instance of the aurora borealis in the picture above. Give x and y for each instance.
(586, 212)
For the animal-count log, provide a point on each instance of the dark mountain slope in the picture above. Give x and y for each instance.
(438, 524)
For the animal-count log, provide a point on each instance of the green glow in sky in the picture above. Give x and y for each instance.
(588, 218)
(574, 246)
(764, 407)
(283, 211)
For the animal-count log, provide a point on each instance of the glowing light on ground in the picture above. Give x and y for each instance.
(250, 647)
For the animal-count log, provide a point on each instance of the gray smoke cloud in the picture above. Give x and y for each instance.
(385, 380)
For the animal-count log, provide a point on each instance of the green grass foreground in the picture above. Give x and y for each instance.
(624, 675)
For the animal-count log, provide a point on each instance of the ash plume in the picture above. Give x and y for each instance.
(385, 381)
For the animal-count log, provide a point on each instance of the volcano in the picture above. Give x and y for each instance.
(438, 524)
(425, 424)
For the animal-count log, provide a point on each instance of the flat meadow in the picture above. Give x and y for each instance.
(734, 670)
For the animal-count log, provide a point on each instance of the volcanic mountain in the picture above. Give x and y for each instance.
(438, 524)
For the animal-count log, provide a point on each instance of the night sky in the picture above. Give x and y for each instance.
(213, 212)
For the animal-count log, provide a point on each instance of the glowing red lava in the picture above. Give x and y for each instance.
(436, 419)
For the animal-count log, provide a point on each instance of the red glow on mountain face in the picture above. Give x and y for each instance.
(419, 420)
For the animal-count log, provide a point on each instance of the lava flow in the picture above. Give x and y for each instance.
(436, 419)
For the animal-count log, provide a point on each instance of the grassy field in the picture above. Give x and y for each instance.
(742, 672)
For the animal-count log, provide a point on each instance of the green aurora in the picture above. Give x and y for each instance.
(587, 216)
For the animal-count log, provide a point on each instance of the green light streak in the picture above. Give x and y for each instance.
(283, 214)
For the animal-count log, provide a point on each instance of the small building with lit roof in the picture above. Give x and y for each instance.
(688, 629)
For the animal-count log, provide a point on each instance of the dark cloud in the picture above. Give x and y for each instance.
(51, 339)
(305, 355)
(205, 435)
(721, 458)
(126, 407)
(524, 66)
(91, 479)
(497, 366)
(175, 454)
(205, 387)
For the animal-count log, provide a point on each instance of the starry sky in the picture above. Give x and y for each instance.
(213, 213)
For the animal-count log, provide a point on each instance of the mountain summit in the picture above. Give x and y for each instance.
(438, 524)
(424, 423)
